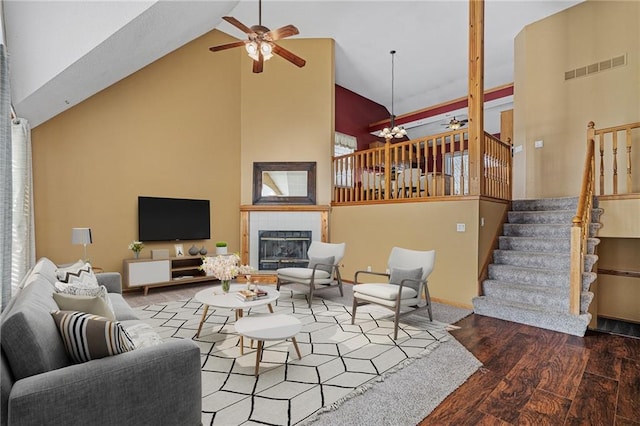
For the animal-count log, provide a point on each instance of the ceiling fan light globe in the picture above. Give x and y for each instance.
(266, 50)
(252, 50)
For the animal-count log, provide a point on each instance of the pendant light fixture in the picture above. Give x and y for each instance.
(393, 131)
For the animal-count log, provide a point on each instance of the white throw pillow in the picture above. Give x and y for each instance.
(78, 290)
(95, 305)
(79, 273)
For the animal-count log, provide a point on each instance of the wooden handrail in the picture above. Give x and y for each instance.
(580, 223)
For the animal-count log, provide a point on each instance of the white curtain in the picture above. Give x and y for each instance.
(346, 141)
(23, 239)
(5, 180)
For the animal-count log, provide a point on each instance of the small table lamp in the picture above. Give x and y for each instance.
(81, 236)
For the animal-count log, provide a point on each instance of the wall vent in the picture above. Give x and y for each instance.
(618, 61)
(596, 67)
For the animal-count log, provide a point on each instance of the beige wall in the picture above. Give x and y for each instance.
(287, 113)
(174, 128)
(492, 213)
(371, 231)
(620, 218)
(556, 111)
(618, 296)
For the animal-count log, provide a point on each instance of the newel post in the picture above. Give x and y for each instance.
(575, 277)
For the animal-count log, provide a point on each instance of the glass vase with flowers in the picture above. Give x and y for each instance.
(224, 267)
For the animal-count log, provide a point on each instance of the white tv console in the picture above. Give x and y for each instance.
(146, 273)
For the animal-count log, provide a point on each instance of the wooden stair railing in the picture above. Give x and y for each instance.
(607, 139)
(581, 221)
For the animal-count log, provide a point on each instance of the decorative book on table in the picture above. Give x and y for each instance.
(246, 295)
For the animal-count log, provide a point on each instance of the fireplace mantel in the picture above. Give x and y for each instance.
(245, 218)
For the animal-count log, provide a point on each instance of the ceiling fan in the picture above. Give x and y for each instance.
(260, 44)
(455, 124)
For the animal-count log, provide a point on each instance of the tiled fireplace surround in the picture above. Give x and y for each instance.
(255, 218)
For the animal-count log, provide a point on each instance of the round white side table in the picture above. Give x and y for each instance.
(264, 327)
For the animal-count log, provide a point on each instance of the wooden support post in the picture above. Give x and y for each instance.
(387, 170)
(476, 94)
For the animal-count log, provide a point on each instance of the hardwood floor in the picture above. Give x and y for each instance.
(541, 377)
(530, 375)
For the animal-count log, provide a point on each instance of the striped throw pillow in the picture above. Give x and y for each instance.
(88, 336)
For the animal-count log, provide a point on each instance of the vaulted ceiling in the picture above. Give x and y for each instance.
(62, 52)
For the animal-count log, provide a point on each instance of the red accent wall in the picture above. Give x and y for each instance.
(354, 113)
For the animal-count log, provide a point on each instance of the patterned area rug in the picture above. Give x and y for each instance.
(339, 360)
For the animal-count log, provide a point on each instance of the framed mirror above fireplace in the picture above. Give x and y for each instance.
(284, 182)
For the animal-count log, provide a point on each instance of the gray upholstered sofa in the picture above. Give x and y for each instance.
(154, 385)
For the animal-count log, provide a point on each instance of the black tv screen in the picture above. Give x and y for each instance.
(172, 219)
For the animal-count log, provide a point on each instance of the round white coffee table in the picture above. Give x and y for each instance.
(263, 327)
(216, 298)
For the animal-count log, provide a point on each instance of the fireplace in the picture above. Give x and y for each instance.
(255, 219)
(278, 249)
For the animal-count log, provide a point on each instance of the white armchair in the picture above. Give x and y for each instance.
(323, 269)
(407, 282)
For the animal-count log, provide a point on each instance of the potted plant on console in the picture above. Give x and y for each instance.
(221, 247)
(136, 247)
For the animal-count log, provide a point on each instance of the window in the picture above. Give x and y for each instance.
(458, 167)
(344, 145)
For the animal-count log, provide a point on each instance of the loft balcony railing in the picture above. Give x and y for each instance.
(422, 169)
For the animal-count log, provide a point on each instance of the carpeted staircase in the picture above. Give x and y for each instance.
(528, 281)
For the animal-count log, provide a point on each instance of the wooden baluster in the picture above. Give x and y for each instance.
(494, 166)
(488, 147)
(418, 165)
(506, 154)
(336, 168)
(341, 171)
(486, 169)
(629, 185)
(452, 151)
(614, 134)
(601, 164)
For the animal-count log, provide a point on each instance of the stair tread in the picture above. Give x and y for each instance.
(528, 287)
(526, 268)
(540, 253)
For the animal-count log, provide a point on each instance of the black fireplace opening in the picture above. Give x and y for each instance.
(283, 249)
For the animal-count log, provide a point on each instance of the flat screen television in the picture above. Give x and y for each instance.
(173, 219)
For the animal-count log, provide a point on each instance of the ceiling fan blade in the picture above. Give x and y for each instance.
(283, 32)
(464, 121)
(289, 56)
(257, 65)
(227, 46)
(239, 25)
